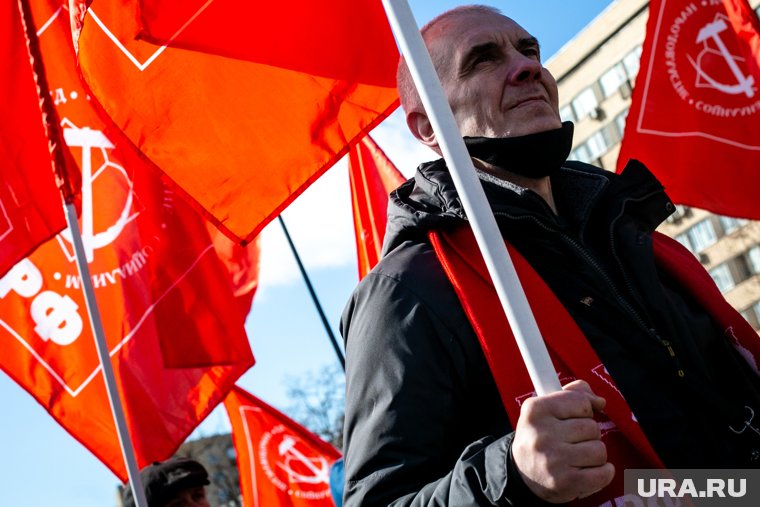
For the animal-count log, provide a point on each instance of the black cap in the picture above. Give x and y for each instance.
(163, 480)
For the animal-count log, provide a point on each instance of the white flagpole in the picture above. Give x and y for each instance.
(127, 449)
(55, 143)
(490, 242)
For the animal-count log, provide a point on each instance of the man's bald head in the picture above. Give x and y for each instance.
(410, 99)
(491, 72)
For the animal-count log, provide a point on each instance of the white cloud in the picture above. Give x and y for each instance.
(321, 226)
(400, 146)
(320, 221)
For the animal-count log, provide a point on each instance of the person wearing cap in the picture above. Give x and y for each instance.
(177, 482)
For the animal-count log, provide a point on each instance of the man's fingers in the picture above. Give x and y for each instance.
(580, 483)
(591, 480)
(592, 453)
(581, 386)
(580, 429)
(558, 448)
(598, 403)
(564, 405)
(578, 385)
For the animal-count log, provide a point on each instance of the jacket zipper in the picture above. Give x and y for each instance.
(628, 285)
(616, 292)
(626, 280)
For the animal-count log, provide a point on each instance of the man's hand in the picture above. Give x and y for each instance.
(558, 448)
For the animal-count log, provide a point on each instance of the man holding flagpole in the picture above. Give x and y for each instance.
(658, 370)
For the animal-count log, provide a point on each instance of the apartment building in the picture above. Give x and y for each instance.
(596, 72)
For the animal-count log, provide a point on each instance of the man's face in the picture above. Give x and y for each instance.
(493, 77)
(192, 497)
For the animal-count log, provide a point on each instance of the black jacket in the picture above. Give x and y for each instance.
(424, 422)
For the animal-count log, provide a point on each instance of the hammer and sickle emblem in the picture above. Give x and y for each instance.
(747, 423)
(320, 470)
(744, 84)
(89, 139)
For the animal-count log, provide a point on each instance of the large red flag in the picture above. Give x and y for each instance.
(163, 294)
(696, 107)
(281, 463)
(373, 176)
(329, 38)
(242, 264)
(242, 137)
(31, 211)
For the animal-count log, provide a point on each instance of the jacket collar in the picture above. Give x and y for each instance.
(430, 199)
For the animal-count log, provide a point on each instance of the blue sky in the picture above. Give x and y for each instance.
(43, 466)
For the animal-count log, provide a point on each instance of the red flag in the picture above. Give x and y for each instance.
(373, 176)
(747, 27)
(696, 107)
(162, 292)
(224, 27)
(31, 211)
(242, 264)
(281, 462)
(242, 138)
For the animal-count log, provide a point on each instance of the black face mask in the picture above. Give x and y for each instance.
(534, 155)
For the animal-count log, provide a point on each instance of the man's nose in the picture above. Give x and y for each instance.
(524, 69)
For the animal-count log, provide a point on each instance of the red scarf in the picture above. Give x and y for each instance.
(573, 357)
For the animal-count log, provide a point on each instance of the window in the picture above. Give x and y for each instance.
(566, 114)
(702, 235)
(753, 257)
(611, 134)
(598, 144)
(730, 224)
(584, 103)
(581, 153)
(631, 63)
(722, 276)
(740, 269)
(685, 241)
(620, 122)
(680, 213)
(612, 79)
(751, 316)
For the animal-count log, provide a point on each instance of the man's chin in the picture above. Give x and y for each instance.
(537, 119)
(532, 125)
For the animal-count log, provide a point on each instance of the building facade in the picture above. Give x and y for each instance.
(595, 73)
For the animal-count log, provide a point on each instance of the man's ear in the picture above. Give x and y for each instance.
(420, 127)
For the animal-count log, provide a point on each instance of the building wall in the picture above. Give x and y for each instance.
(595, 73)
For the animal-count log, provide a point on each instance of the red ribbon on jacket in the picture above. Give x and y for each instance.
(572, 355)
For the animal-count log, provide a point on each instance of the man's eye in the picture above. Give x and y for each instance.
(484, 57)
(531, 52)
